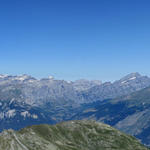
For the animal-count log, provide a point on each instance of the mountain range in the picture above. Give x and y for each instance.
(123, 104)
(126, 85)
(38, 92)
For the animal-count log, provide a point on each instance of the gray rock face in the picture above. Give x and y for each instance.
(38, 92)
(128, 84)
(82, 84)
(25, 100)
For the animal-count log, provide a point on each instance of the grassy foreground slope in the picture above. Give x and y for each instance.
(73, 135)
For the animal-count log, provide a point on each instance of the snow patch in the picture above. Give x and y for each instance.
(25, 113)
(51, 77)
(68, 81)
(133, 78)
(123, 82)
(3, 76)
(31, 81)
(21, 78)
(34, 116)
(11, 113)
(11, 101)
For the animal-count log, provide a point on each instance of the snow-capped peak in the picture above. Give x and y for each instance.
(51, 77)
(22, 77)
(3, 76)
(129, 79)
(68, 82)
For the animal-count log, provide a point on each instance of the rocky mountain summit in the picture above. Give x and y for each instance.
(128, 84)
(73, 135)
(82, 84)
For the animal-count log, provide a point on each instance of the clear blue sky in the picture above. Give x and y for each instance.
(72, 39)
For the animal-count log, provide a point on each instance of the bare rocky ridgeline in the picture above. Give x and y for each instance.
(38, 92)
(127, 85)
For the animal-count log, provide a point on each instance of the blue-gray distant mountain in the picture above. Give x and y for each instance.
(128, 84)
(38, 92)
(32, 101)
(82, 84)
(25, 101)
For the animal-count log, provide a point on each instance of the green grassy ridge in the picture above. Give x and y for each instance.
(73, 135)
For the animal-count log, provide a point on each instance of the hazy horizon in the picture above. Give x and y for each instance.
(102, 40)
(55, 78)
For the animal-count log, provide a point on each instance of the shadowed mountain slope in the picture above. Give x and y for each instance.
(130, 113)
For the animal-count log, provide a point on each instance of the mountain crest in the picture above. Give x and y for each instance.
(131, 76)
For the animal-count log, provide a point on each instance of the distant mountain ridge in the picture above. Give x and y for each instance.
(128, 84)
(24, 101)
(57, 99)
(48, 89)
(82, 84)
